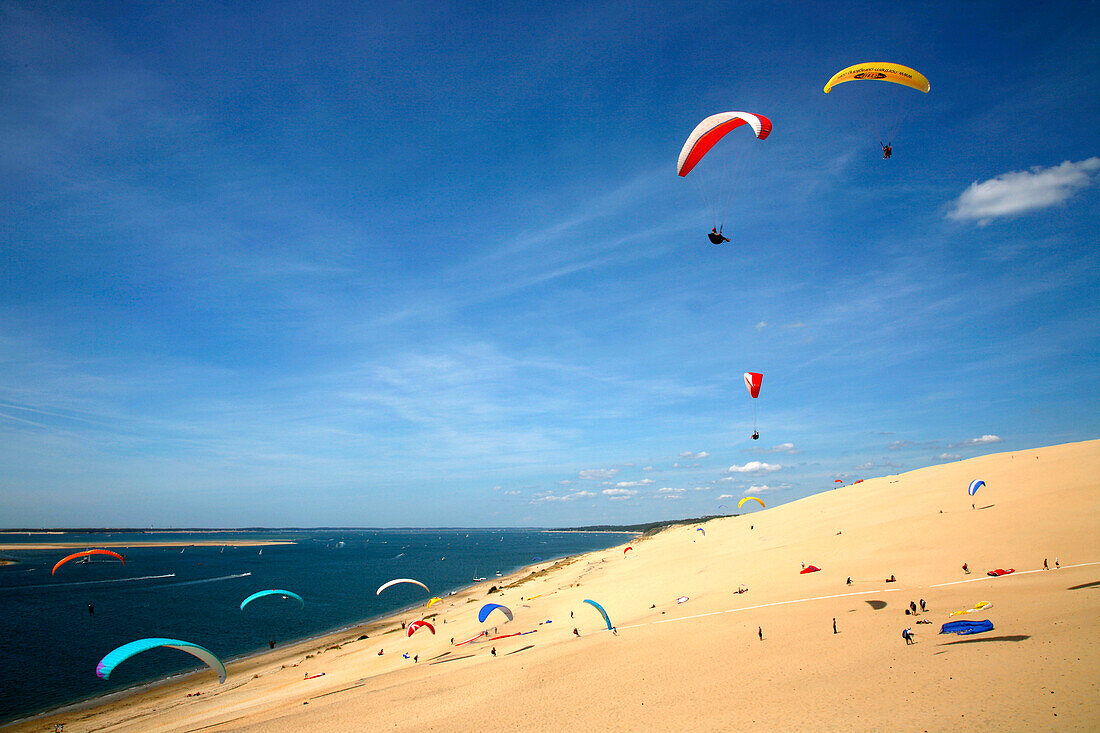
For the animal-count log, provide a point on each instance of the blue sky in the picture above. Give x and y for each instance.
(429, 264)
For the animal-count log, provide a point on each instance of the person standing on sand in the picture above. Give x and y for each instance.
(493, 651)
(760, 632)
(923, 606)
(1056, 565)
(966, 569)
(907, 635)
(1045, 566)
(913, 607)
(575, 632)
(834, 624)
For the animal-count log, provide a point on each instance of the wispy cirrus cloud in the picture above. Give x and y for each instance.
(598, 474)
(689, 454)
(785, 448)
(1019, 192)
(642, 482)
(565, 497)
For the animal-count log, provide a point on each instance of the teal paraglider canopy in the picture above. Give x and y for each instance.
(116, 656)
(489, 608)
(603, 613)
(261, 594)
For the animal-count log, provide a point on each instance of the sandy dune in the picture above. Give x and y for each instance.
(700, 664)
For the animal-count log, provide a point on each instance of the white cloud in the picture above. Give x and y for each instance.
(689, 454)
(673, 496)
(670, 490)
(755, 467)
(725, 496)
(643, 482)
(949, 457)
(762, 489)
(1019, 192)
(762, 325)
(595, 474)
(565, 482)
(618, 492)
(649, 468)
(984, 440)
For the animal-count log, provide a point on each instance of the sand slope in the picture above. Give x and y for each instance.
(700, 664)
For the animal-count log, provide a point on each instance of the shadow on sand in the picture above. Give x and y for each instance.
(1093, 584)
(1012, 637)
(877, 605)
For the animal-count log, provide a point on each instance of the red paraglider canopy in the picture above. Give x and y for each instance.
(86, 553)
(1001, 571)
(418, 625)
(809, 569)
(753, 381)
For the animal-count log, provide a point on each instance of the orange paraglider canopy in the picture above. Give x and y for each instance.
(86, 553)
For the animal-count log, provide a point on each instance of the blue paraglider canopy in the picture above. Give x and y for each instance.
(603, 613)
(964, 628)
(489, 608)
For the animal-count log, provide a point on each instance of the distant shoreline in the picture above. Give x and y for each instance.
(8, 547)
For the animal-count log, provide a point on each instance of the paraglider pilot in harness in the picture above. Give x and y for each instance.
(716, 236)
(755, 435)
(887, 150)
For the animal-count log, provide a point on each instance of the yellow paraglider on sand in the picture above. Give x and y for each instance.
(881, 71)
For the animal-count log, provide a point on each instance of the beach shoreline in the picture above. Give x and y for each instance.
(822, 653)
(299, 649)
(11, 547)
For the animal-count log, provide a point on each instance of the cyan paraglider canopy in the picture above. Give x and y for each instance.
(262, 593)
(121, 654)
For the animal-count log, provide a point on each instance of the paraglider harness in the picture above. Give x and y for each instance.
(716, 237)
(887, 150)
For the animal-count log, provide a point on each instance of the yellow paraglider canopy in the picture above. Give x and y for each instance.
(434, 601)
(751, 498)
(881, 71)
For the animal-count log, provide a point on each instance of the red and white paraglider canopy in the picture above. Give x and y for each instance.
(753, 381)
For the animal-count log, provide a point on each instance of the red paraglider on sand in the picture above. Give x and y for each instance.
(809, 569)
